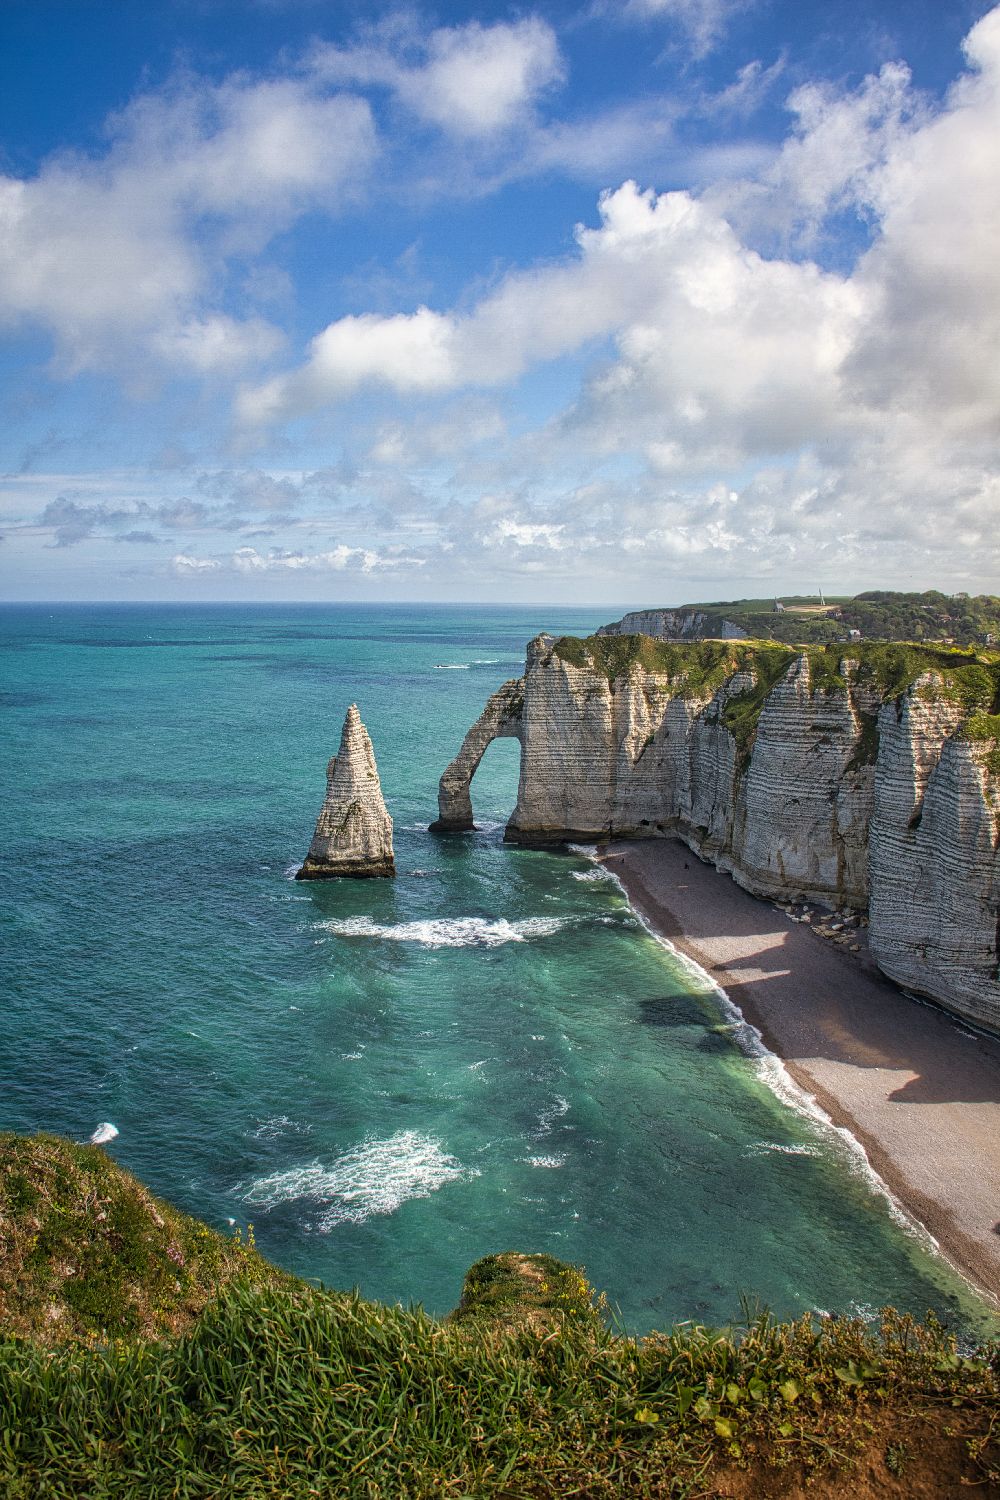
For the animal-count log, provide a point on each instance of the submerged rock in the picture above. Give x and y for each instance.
(354, 830)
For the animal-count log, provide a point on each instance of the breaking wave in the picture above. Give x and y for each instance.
(761, 1148)
(376, 1177)
(447, 932)
(464, 666)
(277, 1125)
(548, 1116)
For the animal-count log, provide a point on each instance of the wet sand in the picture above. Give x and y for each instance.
(919, 1091)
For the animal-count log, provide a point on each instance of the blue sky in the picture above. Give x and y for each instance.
(622, 301)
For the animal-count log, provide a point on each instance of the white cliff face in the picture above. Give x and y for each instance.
(353, 834)
(804, 812)
(671, 625)
(935, 889)
(820, 786)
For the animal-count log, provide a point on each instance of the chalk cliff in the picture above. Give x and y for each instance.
(865, 777)
(674, 625)
(354, 830)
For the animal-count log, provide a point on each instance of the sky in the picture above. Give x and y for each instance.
(625, 302)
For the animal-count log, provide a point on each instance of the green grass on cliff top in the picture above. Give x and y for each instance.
(697, 669)
(86, 1250)
(277, 1389)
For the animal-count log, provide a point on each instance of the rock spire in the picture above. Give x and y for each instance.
(354, 830)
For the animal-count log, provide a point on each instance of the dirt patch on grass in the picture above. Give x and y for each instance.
(920, 1455)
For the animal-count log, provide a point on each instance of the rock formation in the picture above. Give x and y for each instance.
(500, 719)
(869, 781)
(354, 830)
(673, 625)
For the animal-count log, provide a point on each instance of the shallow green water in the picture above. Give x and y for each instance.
(389, 1079)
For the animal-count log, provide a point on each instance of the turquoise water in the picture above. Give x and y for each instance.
(389, 1079)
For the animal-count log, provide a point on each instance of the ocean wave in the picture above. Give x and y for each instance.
(546, 1161)
(464, 666)
(105, 1132)
(376, 1177)
(761, 1148)
(271, 1129)
(599, 872)
(773, 1073)
(550, 1115)
(290, 871)
(447, 932)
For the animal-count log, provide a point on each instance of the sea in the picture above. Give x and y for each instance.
(388, 1079)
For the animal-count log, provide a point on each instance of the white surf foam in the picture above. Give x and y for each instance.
(376, 1177)
(771, 1071)
(599, 872)
(550, 1115)
(761, 1148)
(463, 666)
(446, 932)
(546, 1161)
(277, 1125)
(104, 1132)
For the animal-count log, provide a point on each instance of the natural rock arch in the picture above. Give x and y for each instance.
(502, 718)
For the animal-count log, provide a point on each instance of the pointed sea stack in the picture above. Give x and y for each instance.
(354, 830)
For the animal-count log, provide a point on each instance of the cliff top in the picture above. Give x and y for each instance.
(883, 615)
(86, 1250)
(698, 667)
(289, 1390)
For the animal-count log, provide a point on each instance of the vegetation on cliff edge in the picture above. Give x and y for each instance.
(86, 1251)
(881, 615)
(697, 669)
(278, 1389)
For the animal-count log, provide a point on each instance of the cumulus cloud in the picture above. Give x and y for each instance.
(335, 559)
(654, 262)
(115, 253)
(471, 80)
(767, 408)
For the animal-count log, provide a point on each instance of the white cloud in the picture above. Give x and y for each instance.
(117, 254)
(336, 560)
(657, 267)
(186, 566)
(469, 80)
(704, 22)
(771, 414)
(529, 534)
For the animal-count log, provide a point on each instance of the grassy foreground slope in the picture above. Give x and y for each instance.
(278, 1389)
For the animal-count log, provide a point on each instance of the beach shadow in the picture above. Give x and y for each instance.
(811, 998)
